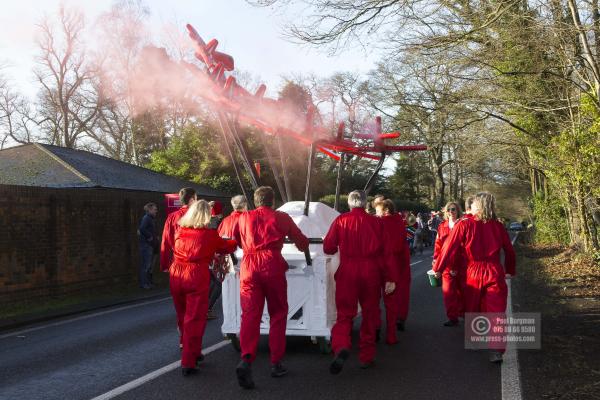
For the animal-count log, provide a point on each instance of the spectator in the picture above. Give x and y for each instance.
(411, 223)
(433, 223)
(148, 244)
(419, 233)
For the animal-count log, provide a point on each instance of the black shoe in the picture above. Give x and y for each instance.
(377, 335)
(199, 359)
(244, 375)
(451, 322)
(188, 371)
(278, 370)
(367, 365)
(400, 326)
(496, 357)
(338, 362)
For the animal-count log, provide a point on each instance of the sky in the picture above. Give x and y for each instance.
(253, 36)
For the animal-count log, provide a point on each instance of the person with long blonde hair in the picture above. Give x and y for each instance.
(481, 238)
(452, 276)
(195, 247)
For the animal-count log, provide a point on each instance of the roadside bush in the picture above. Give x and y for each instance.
(550, 221)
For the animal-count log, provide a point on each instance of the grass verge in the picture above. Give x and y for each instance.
(565, 287)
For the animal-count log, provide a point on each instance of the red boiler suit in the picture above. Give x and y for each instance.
(260, 233)
(168, 238)
(485, 289)
(190, 281)
(357, 235)
(452, 286)
(397, 259)
(228, 224)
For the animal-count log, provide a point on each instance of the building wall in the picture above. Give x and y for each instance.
(59, 241)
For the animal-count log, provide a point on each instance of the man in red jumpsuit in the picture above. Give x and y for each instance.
(240, 205)
(189, 280)
(482, 237)
(187, 196)
(260, 233)
(397, 258)
(357, 235)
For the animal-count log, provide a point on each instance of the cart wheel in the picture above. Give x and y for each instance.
(235, 341)
(324, 345)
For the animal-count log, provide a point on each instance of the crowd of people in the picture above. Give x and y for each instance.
(374, 249)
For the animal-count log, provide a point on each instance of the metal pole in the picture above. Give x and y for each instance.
(238, 174)
(274, 169)
(284, 171)
(311, 160)
(338, 183)
(371, 180)
(243, 153)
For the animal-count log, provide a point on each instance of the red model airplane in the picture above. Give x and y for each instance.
(266, 114)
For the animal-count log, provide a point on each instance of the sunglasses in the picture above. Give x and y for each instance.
(452, 209)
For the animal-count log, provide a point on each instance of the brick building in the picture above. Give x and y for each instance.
(69, 219)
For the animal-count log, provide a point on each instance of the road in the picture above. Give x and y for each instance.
(87, 356)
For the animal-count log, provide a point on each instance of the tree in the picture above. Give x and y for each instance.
(16, 116)
(68, 103)
(531, 65)
(123, 35)
(196, 155)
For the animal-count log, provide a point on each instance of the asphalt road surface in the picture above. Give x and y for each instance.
(87, 356)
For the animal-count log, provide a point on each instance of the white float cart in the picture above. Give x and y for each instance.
(310, 288)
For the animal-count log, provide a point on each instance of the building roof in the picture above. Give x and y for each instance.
(59, 167)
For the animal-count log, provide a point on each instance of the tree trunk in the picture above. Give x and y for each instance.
(581, 215)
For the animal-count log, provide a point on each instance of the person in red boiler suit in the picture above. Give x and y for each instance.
(240, 205)
(482, 238)
(397, 258)
(225, 228)
(260, 233)
(357, 235)
(452, 277)
(187, 196)
(195, 247)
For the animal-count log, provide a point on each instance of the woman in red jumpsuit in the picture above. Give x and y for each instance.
(195, 247)
(452, 277)
(397, 260)
(482, 237)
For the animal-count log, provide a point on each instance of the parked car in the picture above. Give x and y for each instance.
(516, 226)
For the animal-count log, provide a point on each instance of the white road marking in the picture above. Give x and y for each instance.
(153, 375)
(510, 374)
(68, 321)
(416, 262)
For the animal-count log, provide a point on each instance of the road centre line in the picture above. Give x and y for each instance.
(153, 375)
(84, 317)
